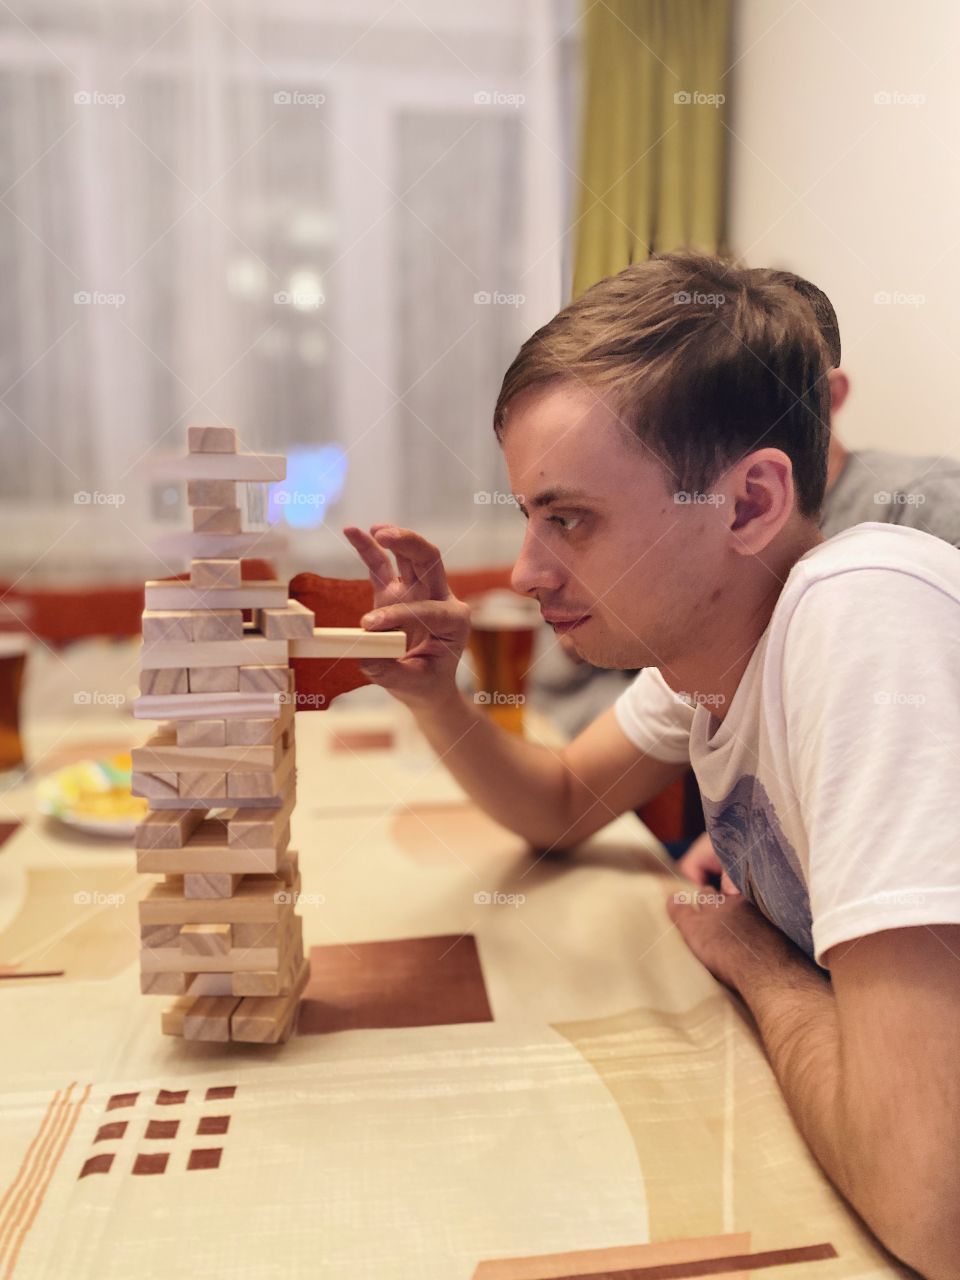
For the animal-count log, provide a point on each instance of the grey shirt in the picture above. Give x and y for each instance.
(894, 488)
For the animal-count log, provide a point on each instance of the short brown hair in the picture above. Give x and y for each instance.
(705, 361)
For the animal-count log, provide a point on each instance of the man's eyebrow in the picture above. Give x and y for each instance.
(549, 496)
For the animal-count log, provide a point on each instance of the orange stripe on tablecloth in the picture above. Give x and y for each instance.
(35, 1158)
(51, 1168)
(29, 1152)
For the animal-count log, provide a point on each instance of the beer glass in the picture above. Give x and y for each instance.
(503, 626)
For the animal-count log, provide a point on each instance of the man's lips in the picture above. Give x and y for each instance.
(562, 623)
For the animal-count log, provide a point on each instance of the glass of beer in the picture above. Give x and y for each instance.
(13, 657)
(502, 630)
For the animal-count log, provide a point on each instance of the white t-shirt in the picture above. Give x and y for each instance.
(831, 788)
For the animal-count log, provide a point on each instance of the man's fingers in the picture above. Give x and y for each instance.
(372, 555)
(447, 620)
(422, 557)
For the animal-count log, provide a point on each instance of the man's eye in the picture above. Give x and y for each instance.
(567, 523)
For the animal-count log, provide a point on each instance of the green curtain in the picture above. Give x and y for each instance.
(653, 148)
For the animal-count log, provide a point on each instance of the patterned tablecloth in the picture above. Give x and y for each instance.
(505, 1067)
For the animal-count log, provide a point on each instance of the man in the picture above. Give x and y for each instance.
(667, 435)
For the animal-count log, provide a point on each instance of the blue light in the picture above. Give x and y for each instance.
(315, 479)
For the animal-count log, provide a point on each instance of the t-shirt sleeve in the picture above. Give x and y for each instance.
(654, 718)
(871, 699)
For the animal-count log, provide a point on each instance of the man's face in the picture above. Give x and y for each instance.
(630, 575)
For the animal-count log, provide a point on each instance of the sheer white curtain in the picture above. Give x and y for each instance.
(285, 217)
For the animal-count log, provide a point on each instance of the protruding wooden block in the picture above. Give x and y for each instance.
(251, 651)
(162, 626)
(181, 595)
(293, 622)
(217, 520)
(263, 679)
(171, 1020)
(201, 733)
(165, 984)
(202, 784)
(268, 1021)
(205, 706)
(181, 542)
(210, 884)
(260, 467)
(166, 830)
(350, 642)
(212, 493)
(218, 625)
(215, 573)
(214, 679)
(160, 935)
(159, 756)
(155, 786)
(211, 439)
(160, 681)
(206, 939)
(209, 1018)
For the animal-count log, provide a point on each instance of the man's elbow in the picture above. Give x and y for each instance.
(922, 1227)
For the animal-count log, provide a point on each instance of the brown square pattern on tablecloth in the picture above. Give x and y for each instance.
(409, 982)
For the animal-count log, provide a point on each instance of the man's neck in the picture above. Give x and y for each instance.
(836, 461)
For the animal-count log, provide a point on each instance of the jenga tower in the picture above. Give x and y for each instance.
(221, 931)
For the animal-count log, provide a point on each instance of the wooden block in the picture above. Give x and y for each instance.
(209, 1018)
(169, 830)
(262, 679)
(260, 828)
(255, 899)
(210, 984)
(239, 959)
(261, 467)
(218, 802)
(161, 935)
(214, 858)
(252, 595)
(171, 1020)
(255, 733)
(207, 784)
(162, 626)
(293, 622)
(181, 542)
(217, 520)
(173, 759)
(214, 679)
(202, 733)
(155, 786)
(165, 984)
(203, 706)
(161, 681)
(267, 982)
(210, 884)
(250, 652)
(206, 939)
(268, 783)
(212, 493)
(211, 439)
(270, 1020)
(350, 642)
(252, 935)
(215, 573)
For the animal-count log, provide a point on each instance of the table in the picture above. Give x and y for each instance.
(507, 1067)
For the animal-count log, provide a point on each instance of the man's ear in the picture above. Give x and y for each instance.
(839, 389)
(760, 499)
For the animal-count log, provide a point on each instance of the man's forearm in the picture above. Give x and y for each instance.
(519, 783)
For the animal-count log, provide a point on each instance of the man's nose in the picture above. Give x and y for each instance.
(536, 569)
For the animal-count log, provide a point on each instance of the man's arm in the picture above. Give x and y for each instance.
(868, 1068)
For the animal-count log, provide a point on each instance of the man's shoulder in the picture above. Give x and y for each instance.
(895, 488)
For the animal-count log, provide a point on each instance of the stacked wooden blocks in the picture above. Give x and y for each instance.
(221, 932)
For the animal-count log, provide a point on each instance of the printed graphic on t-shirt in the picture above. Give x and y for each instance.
(759, 858)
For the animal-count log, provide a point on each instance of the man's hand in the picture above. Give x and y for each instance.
(729, 935)
(414, 598)
(700, 862)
